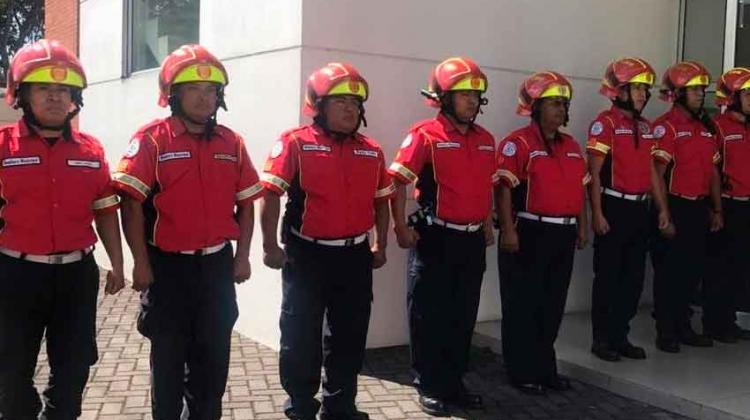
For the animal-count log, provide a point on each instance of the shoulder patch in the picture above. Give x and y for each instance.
(597, 128)
(659, 131)
(133, 148)
(509, 149)
(278, 147)
(407, 141)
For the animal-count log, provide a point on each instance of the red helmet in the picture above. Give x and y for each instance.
(624, 71)
(456, 73)
(681, 75)
(44, 61)
(731, 83)
(333, 79)
(189, 63)
(542, 85)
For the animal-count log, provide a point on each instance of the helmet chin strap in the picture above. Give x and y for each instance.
(700, 115)
(736, 106)
(448, 108)
(65, 127)
(210, 124)
(321, 120)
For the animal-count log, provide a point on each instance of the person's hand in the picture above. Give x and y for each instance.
(509, 240)
(115, 282)
(241, 269)
(274, 257)
(143, 276)
(666, 227)
(582, 237)
(489, 235)
(717, 221)
(599, 224)
(406, 236)
(378, 256)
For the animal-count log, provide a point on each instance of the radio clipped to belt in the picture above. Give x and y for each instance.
(423, 216)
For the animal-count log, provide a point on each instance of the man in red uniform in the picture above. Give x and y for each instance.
(540, 201)
(619, 150)
(54, 181)
(338, 188)
(188, 187)
(451, 159)
(686, 190)
(727, 276)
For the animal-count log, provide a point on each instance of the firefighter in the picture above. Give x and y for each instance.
(686, 191)
(619, 150)
(338, 188)
(451, 160)
(726, 279)
(541, 204)
(54, 181)
(188, 188)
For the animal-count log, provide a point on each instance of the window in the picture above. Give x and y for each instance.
(703, 23)
(155, 28)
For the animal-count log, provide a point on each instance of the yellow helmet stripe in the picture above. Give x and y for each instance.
(349, 87)
(745, 85)
(55, 74)
(200, 73)
(471, 83)
(557, 90)
(645, 78)
(700, 80)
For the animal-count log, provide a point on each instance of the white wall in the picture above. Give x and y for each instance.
(270, 47)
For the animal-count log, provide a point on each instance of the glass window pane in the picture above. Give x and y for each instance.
(703, 40)
(160, 27)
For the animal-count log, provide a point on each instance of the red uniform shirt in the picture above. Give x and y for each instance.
(625, 144)
(545, 182)
(454, 172)
(50, 194)
(190, 185)
(734, 145)
(332, 184)
(689, 149)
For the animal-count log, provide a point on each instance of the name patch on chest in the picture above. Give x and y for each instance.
(224, 156)
(448, 145)
(536, 153)
(368, 153)
(81, 163)
(21, 161)
(623, 131)
(574, 155)
(733, 137)
(684, 134)
(316, 148)
(174, 155)
(486, 148)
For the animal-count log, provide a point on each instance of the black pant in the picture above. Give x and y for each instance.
(188, 314)
(619, 268)
(534, 286)
(728, 267)
(60, 299)
(445, 281)
(679, 264)
(318, 281)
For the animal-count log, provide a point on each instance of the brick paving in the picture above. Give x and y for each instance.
(118, 388)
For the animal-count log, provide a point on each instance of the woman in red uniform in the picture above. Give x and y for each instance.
(686, 190)
(543, 174)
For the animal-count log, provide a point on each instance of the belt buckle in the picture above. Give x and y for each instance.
(55, 259)
(349, 242)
